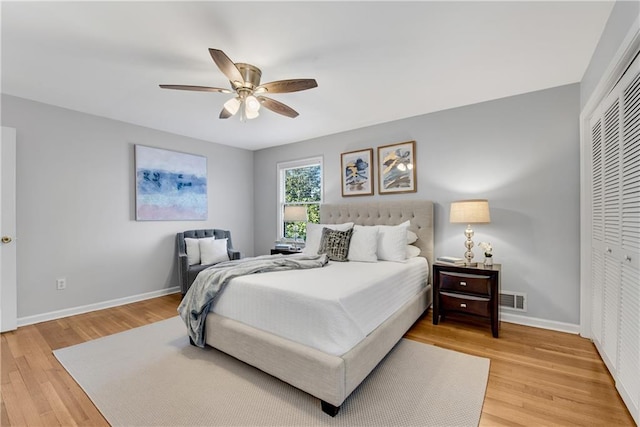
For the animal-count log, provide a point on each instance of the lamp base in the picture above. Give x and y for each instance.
(468, 244)
(295, 237)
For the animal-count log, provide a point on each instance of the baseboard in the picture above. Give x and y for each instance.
(52, 315)
(539, 323)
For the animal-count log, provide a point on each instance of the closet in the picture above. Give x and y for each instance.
(615, 234)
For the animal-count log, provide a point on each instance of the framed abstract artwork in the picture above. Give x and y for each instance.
(397, 168)
(170, 185)
(357, 173)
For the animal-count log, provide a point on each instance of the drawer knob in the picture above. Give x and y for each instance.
(463, 305)
(463, 283)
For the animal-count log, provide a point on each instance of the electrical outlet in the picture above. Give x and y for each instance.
(61, 284)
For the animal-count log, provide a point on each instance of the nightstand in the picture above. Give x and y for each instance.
(284, 252)
(471, 290)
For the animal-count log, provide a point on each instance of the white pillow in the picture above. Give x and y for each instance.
(314, 235)
(213, 251)
(412, 251)
(364, 244)
(392, 242)
(411, 237)
(193, 250)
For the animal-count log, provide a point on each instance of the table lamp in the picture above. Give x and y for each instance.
(469, 212)
(295, 214)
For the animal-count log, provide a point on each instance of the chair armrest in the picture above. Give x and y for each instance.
(182, 253)
(183, 264)
(233, 254)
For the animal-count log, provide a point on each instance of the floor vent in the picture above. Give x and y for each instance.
(513, 300)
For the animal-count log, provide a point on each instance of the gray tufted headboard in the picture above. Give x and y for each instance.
(418, 212)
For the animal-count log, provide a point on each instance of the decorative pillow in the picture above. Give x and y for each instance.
(193, 250)
(314, 235)
(411, 237)
(364, 244)
(213, 251)
(412, 251)
(392, 242)
(335, 244)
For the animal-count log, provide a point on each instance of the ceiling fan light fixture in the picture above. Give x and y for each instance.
(232, 105)
(251, 114)
(252, 104)
(246, 113)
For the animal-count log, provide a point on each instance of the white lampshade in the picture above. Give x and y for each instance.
(251, 114)
(253, 105)
(470, 212)
(232, 105)
(295, 213)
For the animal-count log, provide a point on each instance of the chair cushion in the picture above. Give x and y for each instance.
(192, 246)
(213, 251)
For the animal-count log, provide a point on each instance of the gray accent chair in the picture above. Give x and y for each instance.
(187, 273)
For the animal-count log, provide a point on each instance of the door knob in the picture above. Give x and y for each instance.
(6, 239)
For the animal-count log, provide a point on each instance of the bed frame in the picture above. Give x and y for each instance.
(332, 378)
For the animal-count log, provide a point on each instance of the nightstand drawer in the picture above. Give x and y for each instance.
(465, 304)
(466, 283)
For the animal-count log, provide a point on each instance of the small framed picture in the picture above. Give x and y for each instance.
(357, 173)
(397, 168)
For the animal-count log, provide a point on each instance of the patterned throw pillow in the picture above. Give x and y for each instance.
(335, 244)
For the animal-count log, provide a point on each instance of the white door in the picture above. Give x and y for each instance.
(615, 234)
(8, 257)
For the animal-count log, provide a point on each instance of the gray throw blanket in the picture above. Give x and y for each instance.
(210, 283)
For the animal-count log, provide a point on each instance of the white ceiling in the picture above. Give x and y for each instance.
(374, 61)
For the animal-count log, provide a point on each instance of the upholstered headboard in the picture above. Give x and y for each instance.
(418, 212)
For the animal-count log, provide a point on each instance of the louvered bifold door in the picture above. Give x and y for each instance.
(597, 233)
(628, 381)
(611, 217)
(615, 234)
(605, 228)
(630, 224)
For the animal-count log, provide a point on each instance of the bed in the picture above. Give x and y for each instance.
(330, 373)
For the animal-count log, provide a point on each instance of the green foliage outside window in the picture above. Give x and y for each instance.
(302, 186)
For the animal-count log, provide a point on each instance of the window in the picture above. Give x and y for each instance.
(300, 183)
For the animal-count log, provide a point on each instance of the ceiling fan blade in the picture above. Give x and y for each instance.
(285, 86)
(196, 88)
(226, 65)
(277, 107)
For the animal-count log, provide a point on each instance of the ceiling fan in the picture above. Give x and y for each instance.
(245, 83)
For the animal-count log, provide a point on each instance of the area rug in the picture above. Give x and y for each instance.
(152, 376)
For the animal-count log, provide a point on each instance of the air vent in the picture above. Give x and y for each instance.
(513, 300)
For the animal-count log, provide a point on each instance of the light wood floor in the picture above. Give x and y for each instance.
(537, 377)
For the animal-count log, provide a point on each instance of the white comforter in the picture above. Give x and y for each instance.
(331, 308)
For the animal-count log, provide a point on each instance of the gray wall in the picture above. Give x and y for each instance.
(76, 207)
(521, 153)
(622, 16)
